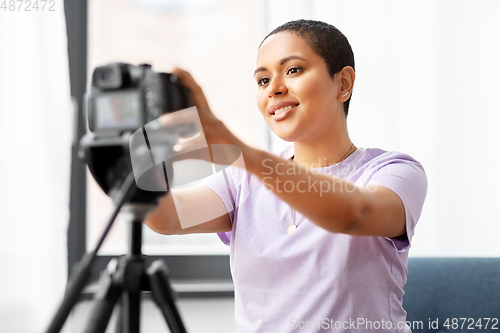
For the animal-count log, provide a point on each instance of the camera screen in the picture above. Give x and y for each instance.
(118, 110)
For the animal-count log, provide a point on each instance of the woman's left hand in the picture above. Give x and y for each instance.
(225, 148)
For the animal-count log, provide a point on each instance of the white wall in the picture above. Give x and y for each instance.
(35, 152)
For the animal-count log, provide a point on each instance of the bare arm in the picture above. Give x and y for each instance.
(194, 210)
(332, 203)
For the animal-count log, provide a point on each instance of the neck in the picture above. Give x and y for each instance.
(326, 145)
(322, 154)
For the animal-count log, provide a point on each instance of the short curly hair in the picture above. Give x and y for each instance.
(326, 41)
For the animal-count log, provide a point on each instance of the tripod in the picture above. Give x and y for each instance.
(124, 278)
(128, 277)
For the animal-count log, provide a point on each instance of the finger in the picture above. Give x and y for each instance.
(198, 96)
(186, 78)
(184, 116)
(194, 142)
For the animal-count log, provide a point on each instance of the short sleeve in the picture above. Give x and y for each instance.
(224, 185)
(232, 185)
(406, 177)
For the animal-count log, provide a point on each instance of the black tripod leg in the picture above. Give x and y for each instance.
(104, 300)
(163, 295)
(119, 320)
(131, 311)
(133, 277)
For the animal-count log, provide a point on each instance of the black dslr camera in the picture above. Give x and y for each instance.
(123, 99)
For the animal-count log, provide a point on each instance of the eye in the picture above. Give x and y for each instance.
(294, 70)
(263, 81)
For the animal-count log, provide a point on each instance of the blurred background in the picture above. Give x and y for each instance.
(427, 85)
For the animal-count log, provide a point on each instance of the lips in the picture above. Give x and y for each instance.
(278, 108)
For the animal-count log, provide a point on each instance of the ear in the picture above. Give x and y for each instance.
(347, 77)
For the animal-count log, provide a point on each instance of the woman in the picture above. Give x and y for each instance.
(319, 234)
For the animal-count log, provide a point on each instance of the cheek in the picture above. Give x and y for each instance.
(306, 94)
(318, 96)
(261, 101)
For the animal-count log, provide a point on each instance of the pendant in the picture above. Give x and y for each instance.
(291, 228)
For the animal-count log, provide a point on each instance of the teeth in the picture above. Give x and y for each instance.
(283, 109)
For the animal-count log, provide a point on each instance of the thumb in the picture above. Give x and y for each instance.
(198, 96)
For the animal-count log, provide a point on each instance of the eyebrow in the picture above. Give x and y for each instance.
(282, 61)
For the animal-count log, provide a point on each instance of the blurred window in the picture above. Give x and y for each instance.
(217, 42)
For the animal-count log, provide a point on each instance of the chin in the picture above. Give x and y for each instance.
(286, 132)
(285, 136)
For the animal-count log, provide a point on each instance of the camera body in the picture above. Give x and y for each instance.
(124, 97)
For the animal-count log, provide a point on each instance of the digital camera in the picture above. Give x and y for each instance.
(124, 99)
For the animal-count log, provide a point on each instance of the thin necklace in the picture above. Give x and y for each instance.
(293, 226)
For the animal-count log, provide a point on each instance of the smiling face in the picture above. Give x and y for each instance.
(296, 95)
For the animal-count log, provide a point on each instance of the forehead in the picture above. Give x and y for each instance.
(283, 44)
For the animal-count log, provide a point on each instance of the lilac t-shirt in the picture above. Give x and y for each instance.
(315, 280)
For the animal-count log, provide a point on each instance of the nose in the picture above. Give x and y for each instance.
(277, 87)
